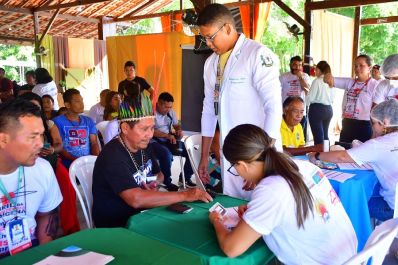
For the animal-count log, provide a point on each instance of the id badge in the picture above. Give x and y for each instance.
(18, 236)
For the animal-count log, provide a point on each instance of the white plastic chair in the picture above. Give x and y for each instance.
(377, 245)
(193, 144)
(82, 169)
(101, 127)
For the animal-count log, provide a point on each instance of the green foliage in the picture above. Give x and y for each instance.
(378, 41)
(14, 53)
(175, 5)
(277, 37)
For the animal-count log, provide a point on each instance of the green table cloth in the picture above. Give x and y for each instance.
(194, 233)
(126, 246)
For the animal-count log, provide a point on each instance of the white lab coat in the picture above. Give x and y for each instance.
(250, 93)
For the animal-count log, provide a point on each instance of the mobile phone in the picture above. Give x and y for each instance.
(46, 145)
(149, 179)
(218, 208)
(179, 208)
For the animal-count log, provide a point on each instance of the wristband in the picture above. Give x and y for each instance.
(317, 156)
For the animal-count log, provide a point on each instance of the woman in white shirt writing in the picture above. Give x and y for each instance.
(357, 102)
(381, 152)
(293, 206)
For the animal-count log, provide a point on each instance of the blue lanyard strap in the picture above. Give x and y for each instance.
(3, 189)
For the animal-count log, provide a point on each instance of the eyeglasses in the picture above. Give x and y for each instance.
(233, 171)
(212, 37)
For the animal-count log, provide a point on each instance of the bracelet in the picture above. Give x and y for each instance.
(317, 156)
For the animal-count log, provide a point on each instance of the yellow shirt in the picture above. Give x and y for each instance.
(223, 61)
(292, 139)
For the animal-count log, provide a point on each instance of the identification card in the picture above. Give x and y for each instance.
(18, 236)
(218, 208)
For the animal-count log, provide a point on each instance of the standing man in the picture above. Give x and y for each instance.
(29, 192)
(241, 86)
(296, 83)
(129, 71)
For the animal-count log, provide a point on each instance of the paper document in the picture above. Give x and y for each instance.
(354, 166)
(337, 175)
(231, 218)
(76, 256)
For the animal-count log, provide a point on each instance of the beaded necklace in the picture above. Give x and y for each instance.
(132, 156)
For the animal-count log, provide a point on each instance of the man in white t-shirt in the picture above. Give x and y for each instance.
(97, 111)
(296, 83)
(29, 191)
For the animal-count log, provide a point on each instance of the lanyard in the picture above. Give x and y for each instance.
(3, 189)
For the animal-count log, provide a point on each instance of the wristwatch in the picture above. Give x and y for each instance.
(317, 156)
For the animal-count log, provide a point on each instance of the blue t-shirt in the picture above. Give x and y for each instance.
(75, 136)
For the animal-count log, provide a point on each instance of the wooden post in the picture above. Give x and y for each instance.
(251, 28)
(36, 28)
(357, 32)
(101, 29)
(307, 39)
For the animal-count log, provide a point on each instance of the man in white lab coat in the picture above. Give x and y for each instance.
(242, 86)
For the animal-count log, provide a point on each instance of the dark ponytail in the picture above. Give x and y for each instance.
(248, 142)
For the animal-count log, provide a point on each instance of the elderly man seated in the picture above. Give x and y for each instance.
(291, 130)
(123, 173)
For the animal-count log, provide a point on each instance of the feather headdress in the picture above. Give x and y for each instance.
(135, 110)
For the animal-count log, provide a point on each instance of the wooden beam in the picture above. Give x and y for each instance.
(101, 31)
(343, 3)
(251, 21)
(357, 32)
(36, 30)
(13, 22)
(234, 4)
(68, 5)
(143, 16)
(379, 20)
(50, 23)
(71, 17)
(16, 10)
(307, 40)
(12, 38)
(291, 13)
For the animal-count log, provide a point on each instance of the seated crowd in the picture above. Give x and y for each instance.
(288, 205)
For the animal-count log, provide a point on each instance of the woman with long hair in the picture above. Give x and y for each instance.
(48, 107)
(320, 100)
(358, 98)
(113, 101)
(45, 85)
(293, 206)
